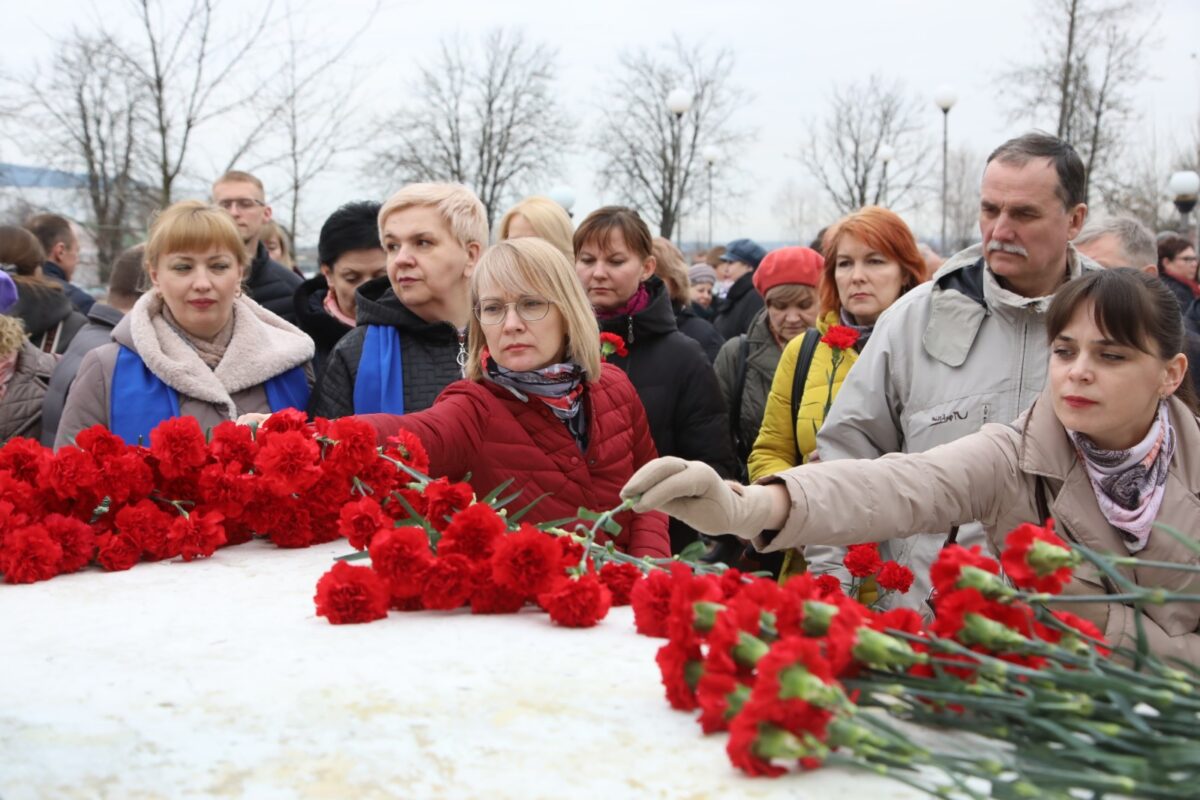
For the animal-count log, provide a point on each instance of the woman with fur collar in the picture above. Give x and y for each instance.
(193, 346)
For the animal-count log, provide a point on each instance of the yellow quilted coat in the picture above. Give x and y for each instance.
(775, 448)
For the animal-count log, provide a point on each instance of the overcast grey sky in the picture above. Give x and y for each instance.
(788, 55)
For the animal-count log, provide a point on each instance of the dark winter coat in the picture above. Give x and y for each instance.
(272, 285)
(312, 318)
(21, 408)
(762, 357)
(694, 326)
(1183, 293)
(677, 386)
(79, 298)
(51, 321)
(102, 318)
(428, 353)
(737, 310)
(481, 428)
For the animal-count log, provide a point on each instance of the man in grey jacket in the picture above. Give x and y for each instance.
(968, 347)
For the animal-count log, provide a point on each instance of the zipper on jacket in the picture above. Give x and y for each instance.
(461, 358)
(986, 413)
(629, 338)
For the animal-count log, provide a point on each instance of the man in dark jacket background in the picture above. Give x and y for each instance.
(349, 255)
(270, 283)
(742, 301)
(62, 255)
(125, 286)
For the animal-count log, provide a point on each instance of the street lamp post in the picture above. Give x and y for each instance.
(1185, 187)
(945, 99)
(564, 197)
(711, 154)
(886, 153)
(679, 101)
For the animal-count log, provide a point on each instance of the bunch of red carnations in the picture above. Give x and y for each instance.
(801, 675)
(453, 551)
(101, 501)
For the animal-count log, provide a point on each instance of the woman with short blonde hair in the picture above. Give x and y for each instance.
(195, 345)
(541, 217)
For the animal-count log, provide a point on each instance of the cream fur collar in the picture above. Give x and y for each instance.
(263, 346)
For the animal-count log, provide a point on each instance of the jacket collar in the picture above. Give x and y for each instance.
(376, 304)
(656, 319)
(104, 314)
(263, 346)
(965, 291)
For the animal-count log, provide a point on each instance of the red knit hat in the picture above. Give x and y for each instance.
(801, 265)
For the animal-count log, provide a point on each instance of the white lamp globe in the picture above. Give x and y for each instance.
(679, 101)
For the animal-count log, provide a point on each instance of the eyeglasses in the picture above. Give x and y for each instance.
(530, 309)
(242, 203)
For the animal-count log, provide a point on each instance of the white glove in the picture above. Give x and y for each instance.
(693, 492)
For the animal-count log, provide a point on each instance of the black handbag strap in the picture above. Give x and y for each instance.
(741, 447)
(799, 378)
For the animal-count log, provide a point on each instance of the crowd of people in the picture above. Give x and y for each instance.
(783, 404)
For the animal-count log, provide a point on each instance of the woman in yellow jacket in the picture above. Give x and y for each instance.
(871, 258)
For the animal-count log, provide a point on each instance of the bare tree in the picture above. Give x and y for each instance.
(93, 108)
(487, 117)
(1092, 61)
(653, 159)
(796, 209)
(189, 68)
(843, 151)
(964, 173)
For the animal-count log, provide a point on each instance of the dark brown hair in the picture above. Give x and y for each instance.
(22, 249)
(601, 223)
(1169, 248)
(50, 229)
(1131, 308)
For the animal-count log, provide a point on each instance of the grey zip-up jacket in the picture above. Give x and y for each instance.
(944, 360)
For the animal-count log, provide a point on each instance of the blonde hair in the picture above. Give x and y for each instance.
(190, 226)
(237, 176)
(548, 219)
(787, 293)
(12, 334)
(272, 230)
(457, 205)
(532, 266)
(670, 266)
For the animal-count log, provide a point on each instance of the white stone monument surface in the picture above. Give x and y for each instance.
(217, 679)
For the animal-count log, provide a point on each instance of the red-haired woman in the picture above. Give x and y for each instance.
(871, 258)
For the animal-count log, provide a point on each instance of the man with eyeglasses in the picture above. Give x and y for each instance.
(271, 284)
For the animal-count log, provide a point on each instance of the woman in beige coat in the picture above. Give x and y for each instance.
(194, 345)
(1111, 448)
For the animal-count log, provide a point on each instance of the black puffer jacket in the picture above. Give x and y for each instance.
(51, 320)
(694, 326)
(272, 285)
(679, 389)
(312, 318)
(737, 310)
(428, 352)
(79, 298)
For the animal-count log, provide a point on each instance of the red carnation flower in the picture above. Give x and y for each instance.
(287, 463)
(178, 444)
(401, 556)
(528, 562)
(405, 446)
(448, 583)
(895, 577)
(126, 478)
(828, 585)
(681, 667)
(1035, 558)
(118, 551)
(233, 444)
(23, 459)
(473, 532)
(355, 447)
(758, 734)
(70, 473)
(225, 488)
(950, 561)
(953, 608)
(578, 603)
(288, 524)
(361, 520)
(841, 337)
(30, 554)
(491, 598)
(100, 442)
(620, 580)
(899, 619)
(348, 594)
(444, 498)
(197, 535)
(611, 343)
(1084, 629)
(862, 560)
(721, 696)
(146, 523)
(76, 539)
(651, 601)
(732, 582)
(289, 419)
